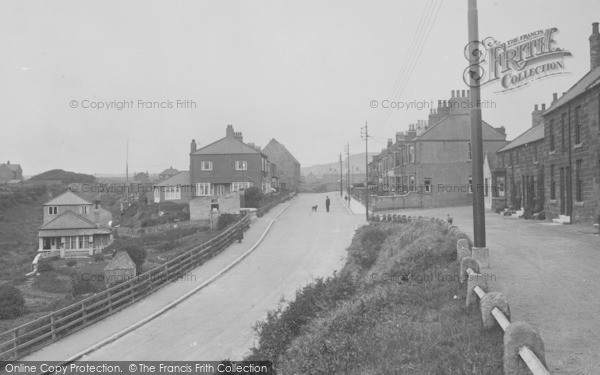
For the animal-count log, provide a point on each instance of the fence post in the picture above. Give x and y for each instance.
(488, 303)
(518, 335)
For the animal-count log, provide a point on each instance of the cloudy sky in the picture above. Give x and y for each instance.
(303, 72)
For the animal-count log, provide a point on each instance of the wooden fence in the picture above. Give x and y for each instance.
(47, 329)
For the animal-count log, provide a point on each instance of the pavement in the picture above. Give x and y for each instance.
(215, 322)
(550, 274)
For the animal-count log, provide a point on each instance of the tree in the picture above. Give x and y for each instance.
(137, 255)
(12, 303)
(253, 196)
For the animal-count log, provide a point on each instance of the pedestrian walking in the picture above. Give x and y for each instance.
(327, 203)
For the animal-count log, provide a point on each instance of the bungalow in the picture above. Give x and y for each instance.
(73, 227)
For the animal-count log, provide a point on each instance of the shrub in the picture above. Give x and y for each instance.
(81, 286)
(253, 196)
(225, 220)
(371, 240)
(44, 266)
(137, 255)
(12, 303)
(71, 262)
(49, 282)
(99, 257)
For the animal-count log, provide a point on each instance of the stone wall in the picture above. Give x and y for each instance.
(201, 207)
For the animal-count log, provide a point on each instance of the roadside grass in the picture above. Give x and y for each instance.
(400, 312)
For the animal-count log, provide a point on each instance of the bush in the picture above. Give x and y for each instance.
(99, 257)
(12, 303)
(81, 286)
(44, 266)
(253, 196)
(371, 240)
(138, 255)
(50, 283)
(225, 220)
(71, 262)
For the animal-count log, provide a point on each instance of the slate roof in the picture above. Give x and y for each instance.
(69, 220)
(276, 143)
(121, 261)
(591, 79)
(533, 134)
(226, 145)
(458, 127)
(68, 198)
(170, 170)
(181, 178)
(14, 167)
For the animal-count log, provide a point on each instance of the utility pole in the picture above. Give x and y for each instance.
(341, 177)
(365, 134)
(127, 171)
(348, 167)
(480, 251)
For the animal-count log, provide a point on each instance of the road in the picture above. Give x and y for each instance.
(216, 323)
(550, 274)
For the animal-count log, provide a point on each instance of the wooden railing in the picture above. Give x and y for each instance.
(29, 337)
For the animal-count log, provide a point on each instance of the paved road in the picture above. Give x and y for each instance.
(550, 274)
(216, 323)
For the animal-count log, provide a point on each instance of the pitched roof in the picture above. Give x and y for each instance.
(68, 198)
(492, 160)
(181, 178)
(586, 82)
(14, 167)
(170, 170)
(71, 232)
(69, 220)
(458, 127)
(533, 134)
(226, 145)
(275, 143)
(121, 261)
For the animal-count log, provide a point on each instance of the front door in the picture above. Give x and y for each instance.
(563, 191)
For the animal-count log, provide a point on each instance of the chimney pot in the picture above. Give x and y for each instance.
(535, 108)
(554, 97)
(595, 28)
(464, 93)
(543, 106)
(453, 93)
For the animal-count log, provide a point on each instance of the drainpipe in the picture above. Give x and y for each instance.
(570, 174)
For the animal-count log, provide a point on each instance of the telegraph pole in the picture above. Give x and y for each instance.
(348, 167)
(480, 251)
(366, 137)
(341, 177)
(127, 171)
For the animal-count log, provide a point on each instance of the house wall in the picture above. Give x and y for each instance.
(200, 207)
(6, 174)
(224, 168)
(65, 208)
(525, 176)
(588, 151)
(287, 168)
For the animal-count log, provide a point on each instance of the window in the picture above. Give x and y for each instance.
(236, 186)
(552, 183)
(411, 154)
(579, 181)
(563, 125)
(485, 187)
(219, 189)
(551, 135)
(397, 159)
(516, 157)
(470, 151)
(411, 182)
(81, 242)
(427, 185)
(470, 184)
(173, 193)
(52, 210)
(535, 154)
(500, 185)
(206, 165)
(240, 165)
(577, 125)
(203, 189)
(83, 210)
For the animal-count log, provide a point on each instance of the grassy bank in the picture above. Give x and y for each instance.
(395, 308)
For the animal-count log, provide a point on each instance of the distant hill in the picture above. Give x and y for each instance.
(357, 165)
(64, 176)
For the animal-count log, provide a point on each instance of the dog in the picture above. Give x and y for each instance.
(315, 207)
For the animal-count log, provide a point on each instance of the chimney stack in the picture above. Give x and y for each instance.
(543, 106)
(594, 47)
(536, 116)
(554, 97)
(229, 132)
(193, 146)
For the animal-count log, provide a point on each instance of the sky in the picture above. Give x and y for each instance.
(302, 72)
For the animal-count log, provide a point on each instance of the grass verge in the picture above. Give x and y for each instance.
(395, 308)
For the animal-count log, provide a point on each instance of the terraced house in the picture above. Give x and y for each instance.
(572, 138)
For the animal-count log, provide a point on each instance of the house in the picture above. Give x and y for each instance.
(572, 139)
(176, 189)
(120, 268)
(141, 177)
(288, 167)
(494, 182)
(167, 173)
(430, 164)
(224, 167)
(523, 161)
(10, 172)
(73, 227)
